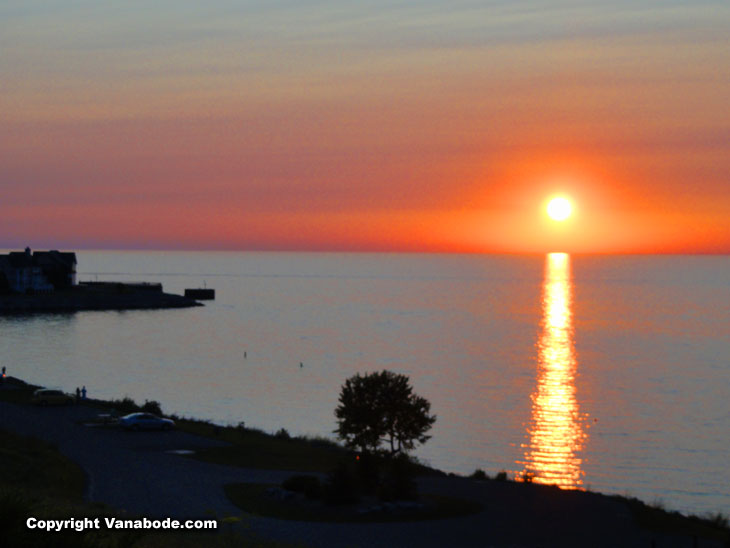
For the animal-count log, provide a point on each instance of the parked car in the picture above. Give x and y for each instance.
(46, 396)
(145, 421)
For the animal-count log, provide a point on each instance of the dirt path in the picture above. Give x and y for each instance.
(136, 471)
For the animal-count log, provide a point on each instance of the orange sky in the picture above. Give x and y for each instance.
(365, 127)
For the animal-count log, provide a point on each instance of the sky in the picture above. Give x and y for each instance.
(365, 126)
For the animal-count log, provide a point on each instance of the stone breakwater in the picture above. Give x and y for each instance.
(111, 297)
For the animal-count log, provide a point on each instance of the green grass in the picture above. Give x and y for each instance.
(261, 451)
(658, 519)
(38, 481)
(253, 499)
(37, 467)
(254, 448)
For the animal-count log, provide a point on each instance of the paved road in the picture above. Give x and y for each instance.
(136, 471)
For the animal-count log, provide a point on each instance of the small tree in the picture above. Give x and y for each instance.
(381, 408)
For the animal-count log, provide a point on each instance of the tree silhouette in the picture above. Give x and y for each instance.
(379, 408)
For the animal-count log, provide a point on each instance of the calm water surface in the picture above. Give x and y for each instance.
(608, 373)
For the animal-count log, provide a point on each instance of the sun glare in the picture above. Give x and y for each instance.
(559, 209)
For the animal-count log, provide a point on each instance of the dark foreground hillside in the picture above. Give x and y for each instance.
(143, 474)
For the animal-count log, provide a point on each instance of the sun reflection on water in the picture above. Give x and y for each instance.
(556, 425)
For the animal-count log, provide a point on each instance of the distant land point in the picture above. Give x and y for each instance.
(45, 281)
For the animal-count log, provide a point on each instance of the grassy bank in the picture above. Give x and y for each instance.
(37, 481)
(253, 498)
(249, 447)
(658, 519)
(254, 448)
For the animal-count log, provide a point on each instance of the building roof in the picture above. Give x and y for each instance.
(24, 259)
(54, 258)
(19, 259)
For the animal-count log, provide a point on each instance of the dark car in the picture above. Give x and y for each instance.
(145, 421)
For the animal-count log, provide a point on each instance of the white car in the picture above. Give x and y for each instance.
(145, 421)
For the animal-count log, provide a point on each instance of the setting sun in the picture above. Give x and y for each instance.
(559, 209)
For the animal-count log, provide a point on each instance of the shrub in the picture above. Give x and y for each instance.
(15, 508)
(282, 434)
(718, 519)
(397, 482)
(319, 441)
(479, 474)
(658, 504)
(342, 486)
(152, 407)
(308, 485)
(368, 472)
(501, 476)
(126, 405)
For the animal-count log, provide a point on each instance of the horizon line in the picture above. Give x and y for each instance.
(362, 251)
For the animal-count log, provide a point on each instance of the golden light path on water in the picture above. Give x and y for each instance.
(556, 425)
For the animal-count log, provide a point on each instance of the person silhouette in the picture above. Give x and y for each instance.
(83, 392)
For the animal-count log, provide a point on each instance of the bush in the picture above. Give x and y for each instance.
(718, 519)
(282, 434)
(342, 486)
(15, 508)
(308, 485)
(152, 407)
(368, 473)
(126, 405)
(397, 482)
(479, 474)
(501, 476)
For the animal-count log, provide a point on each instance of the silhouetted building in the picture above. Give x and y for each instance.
(58, 267)
(39, 272)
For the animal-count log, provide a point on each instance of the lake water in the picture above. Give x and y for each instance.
(604, 372)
